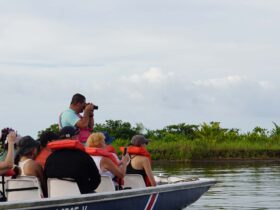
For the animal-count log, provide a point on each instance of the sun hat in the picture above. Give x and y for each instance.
(68, 132)
(138, 140)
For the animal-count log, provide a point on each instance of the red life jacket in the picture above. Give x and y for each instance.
(66, 144)
(105, 153)
(134, 150)
(111, 149)
(101, 152)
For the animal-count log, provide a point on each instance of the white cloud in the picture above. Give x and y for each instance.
(226, 82)
(179, 61)
(267, 85)
(155, 75)
(152, 76)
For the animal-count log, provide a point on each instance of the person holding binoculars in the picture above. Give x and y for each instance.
(73, 117)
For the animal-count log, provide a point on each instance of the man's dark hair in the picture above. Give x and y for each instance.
(78, 98)
(46, 137)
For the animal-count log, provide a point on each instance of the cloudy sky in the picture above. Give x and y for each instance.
(154, 62)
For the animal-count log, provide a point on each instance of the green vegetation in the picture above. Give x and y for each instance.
(197, 142)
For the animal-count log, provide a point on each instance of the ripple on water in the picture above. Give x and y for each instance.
(240, 186)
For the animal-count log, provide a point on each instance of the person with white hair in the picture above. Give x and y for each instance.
(106, 162)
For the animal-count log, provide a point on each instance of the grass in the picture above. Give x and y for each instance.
(183, 149)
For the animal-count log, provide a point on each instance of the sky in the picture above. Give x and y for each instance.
(152, 62)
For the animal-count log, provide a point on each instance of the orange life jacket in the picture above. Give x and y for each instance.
(66, 144)
(42, 156)
(111, 149)
(101, 152)
(105, 153)
(134, 150)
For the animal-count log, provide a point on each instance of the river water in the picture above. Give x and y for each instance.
(250, 185)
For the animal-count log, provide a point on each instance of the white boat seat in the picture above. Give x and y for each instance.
(23, 188)
(3, 181)
(106, 185)
(134, 181)
(62, 187)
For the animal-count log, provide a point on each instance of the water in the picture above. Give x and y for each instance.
(250, 185)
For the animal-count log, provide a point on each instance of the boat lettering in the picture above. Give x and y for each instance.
(73, 208)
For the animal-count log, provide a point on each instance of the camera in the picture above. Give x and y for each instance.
(94, 107)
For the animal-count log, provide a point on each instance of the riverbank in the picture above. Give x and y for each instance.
(231, 160)
(204, 142)
(184, 149)
(207, 141)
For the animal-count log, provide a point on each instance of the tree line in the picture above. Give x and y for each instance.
(206, 131)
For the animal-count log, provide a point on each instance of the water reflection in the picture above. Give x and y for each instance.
(249, 185)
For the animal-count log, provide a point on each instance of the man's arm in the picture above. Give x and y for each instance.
(83, 122)
(91, 120)
(87, 120)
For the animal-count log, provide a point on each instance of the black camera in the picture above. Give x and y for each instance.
(94, 107)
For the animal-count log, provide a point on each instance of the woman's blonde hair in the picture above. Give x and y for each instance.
(96, 140)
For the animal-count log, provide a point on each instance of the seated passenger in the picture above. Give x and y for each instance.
(69, 160)
(105, 161)
(25, 159)
(44, 153)
(4, 142)
(8, 162)
(140, 159)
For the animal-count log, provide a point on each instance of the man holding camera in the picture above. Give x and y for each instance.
(72, 116)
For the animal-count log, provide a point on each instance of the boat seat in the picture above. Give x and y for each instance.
(2, 183)
(62, 187)
(134, 181)
(23, 188)
(106, 185)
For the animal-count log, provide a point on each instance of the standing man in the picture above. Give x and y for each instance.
(72, 116)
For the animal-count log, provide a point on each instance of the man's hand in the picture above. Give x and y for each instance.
(89, 109)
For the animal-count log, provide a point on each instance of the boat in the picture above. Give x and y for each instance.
(171, 194)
